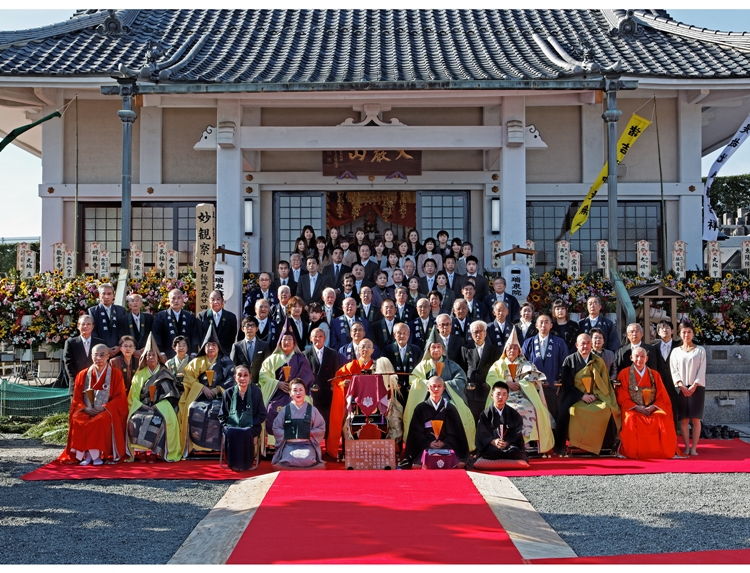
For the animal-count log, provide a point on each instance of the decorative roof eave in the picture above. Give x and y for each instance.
(595, 83)
(655, 82)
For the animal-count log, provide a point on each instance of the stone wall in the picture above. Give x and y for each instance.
(727, 376)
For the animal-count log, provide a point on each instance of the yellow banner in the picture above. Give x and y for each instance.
(636, 126)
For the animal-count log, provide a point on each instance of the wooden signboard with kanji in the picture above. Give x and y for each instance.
(370, 454)
(366, 162)
(205, 255)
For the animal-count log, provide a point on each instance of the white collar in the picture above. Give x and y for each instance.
(641, 373)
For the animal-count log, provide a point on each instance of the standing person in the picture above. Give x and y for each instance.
(429, 251)
(367, 307)
(414, 294)
(595, 319)
(547, 353)
(403, 253)
(380, 253)
(447, 294)
(301, 248)
(264, 290)
(454, 279)
(284, 278)
(242, 416)
(500, 329)
(176, 321)
(297, 271)
(350, 255)
(267, 328)
(359, 239)
(598, 341)
(381, 291)
(136, 323)
(333, 238)
(98, 410)
(369, 263)
(478, 356)
(108, 318)
(499, 294)
(634, 332)
(456, 245)
(294, 309)
(526, 324)
(77, 350)
(308, 234)
(403, 357)
(317, 320)
(251, 351)
(563, 327)
(472, 270)
(688, 365)
(224, 321)
(443, 248)
(337, 269)
(310, 287)
(389, 240)
(342, 325)
(322, 253)
(421, 326)
(663, 350)
(414, 247)
(323, 363)
(126, 362)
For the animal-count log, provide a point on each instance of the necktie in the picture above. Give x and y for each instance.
(250, 350)
(336, 274)
(217, 318)
(137, 323)
(479, 351)
(664, 350)
(86, 343)
(312, 284)
(402, 352)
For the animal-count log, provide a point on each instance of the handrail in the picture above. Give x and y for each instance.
(623, 300)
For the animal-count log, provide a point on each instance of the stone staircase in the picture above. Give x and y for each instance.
(727, 385)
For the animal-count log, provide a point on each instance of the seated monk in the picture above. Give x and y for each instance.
(526, 395)
(425, 435)
(647, 427)
(242, 415)
(588, 414)
(435, 362)
(283, 365)
(500, 428)
(98, 410)
(365, 348)
(207, 377)
(298, 430)
(153, 401)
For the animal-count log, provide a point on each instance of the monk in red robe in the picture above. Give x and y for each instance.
(338, 400)
(98, 414)
(647, 428)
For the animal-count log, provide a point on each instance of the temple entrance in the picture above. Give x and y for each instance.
(373, 211)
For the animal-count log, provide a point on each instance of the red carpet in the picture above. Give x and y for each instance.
(374, 517)
(715, 456)
(724, 556)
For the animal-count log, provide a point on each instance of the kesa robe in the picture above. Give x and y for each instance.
(422, 434)
(159, 430)
(645, 437)
(338, 402)
(105, 431)
(271, 372)
(303, 452)
(585, 425)
(193, 384)
(528, 401)
(455, 382)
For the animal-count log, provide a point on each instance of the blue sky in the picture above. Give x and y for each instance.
(21, 172)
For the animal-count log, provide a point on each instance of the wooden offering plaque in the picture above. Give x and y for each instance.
(370, 455)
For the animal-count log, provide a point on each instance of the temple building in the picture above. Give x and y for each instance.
(486, 123)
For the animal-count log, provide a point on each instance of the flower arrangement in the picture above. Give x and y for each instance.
(44, 309)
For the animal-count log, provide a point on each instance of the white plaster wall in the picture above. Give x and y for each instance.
(561, 162)
(182, 128)
(99, 143)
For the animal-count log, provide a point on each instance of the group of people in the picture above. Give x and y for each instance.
(481, 375)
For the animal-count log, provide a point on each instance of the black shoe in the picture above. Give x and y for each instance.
(405, 464)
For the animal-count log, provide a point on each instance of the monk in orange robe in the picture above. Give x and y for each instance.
(98, 414)
(647, 428)
(338, 400)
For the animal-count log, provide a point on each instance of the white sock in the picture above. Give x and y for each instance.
(94, 454)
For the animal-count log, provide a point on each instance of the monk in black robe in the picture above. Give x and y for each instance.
(500, 428)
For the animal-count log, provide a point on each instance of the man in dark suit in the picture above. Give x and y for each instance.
(77, 351)
(279, 310)
(367, 308)
(337, 269)
(449, 266)
(331, 310)
(251, 351)
(452, 343)
(477, 357)
(381, 331)
(108, 318)
(268, 330)
(324, 363)
(371, 266)
(428, 281)
(297, 270)
(341, 326)
(634, 333)
(263, 290)
(482, 287)
(284, 278)
(360, 278)
(224, 321)
(595, 319)
(136, 323)
(404, 311)
(499, 329)
(460, 321)
(421, 326)
(347, 290)
(514, 308)
(176, 321)
(410, 270)
(475, 309)
(310, 287)
(663, 351)
(403, 356)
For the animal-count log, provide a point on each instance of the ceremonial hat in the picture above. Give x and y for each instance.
(211, 336)
(150, 346)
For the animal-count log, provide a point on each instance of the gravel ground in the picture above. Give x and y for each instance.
(614, 515)
(96, 521)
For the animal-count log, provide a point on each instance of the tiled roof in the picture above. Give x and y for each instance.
(347, 46)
